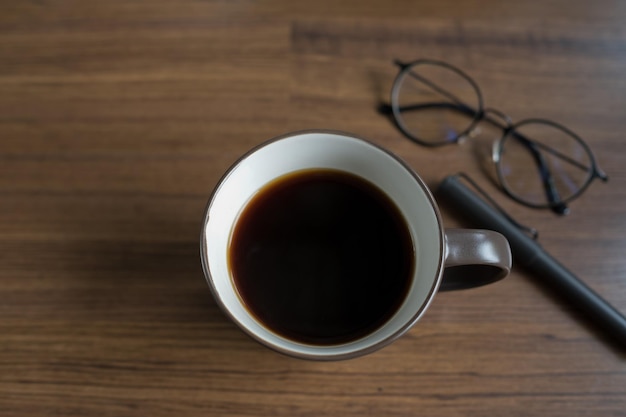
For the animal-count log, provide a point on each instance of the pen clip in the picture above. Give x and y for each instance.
(532, 232)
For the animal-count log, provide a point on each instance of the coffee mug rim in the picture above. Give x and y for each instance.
(321, 356)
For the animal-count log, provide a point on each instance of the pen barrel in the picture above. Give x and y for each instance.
(529, 254)
(581, 297)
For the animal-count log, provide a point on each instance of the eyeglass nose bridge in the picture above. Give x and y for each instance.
(496, 151)
(504, 122)
(508, 122)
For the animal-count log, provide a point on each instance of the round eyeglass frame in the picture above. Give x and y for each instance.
(592, 172)
(405, 69)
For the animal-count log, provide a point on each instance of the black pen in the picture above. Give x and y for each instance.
(529, 254)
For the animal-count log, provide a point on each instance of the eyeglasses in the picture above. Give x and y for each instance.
(539, 163)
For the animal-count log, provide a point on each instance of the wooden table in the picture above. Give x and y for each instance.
(117, 119)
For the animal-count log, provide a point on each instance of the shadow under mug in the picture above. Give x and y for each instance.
(443, 259)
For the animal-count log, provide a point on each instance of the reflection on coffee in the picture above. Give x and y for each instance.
(321, 257)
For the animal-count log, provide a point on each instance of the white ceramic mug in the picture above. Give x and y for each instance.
(472, 257)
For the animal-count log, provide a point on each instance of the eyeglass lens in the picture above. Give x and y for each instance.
(537, 153)
(434, 104)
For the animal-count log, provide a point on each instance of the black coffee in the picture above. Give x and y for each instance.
(321, 257)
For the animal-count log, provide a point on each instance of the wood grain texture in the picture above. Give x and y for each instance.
(117, 118)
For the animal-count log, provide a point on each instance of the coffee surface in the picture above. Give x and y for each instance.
(321, 257)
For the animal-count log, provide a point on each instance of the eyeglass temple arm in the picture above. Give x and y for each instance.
(460, 107)
(547, 178)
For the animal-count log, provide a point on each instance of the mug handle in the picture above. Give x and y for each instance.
(474, 258)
